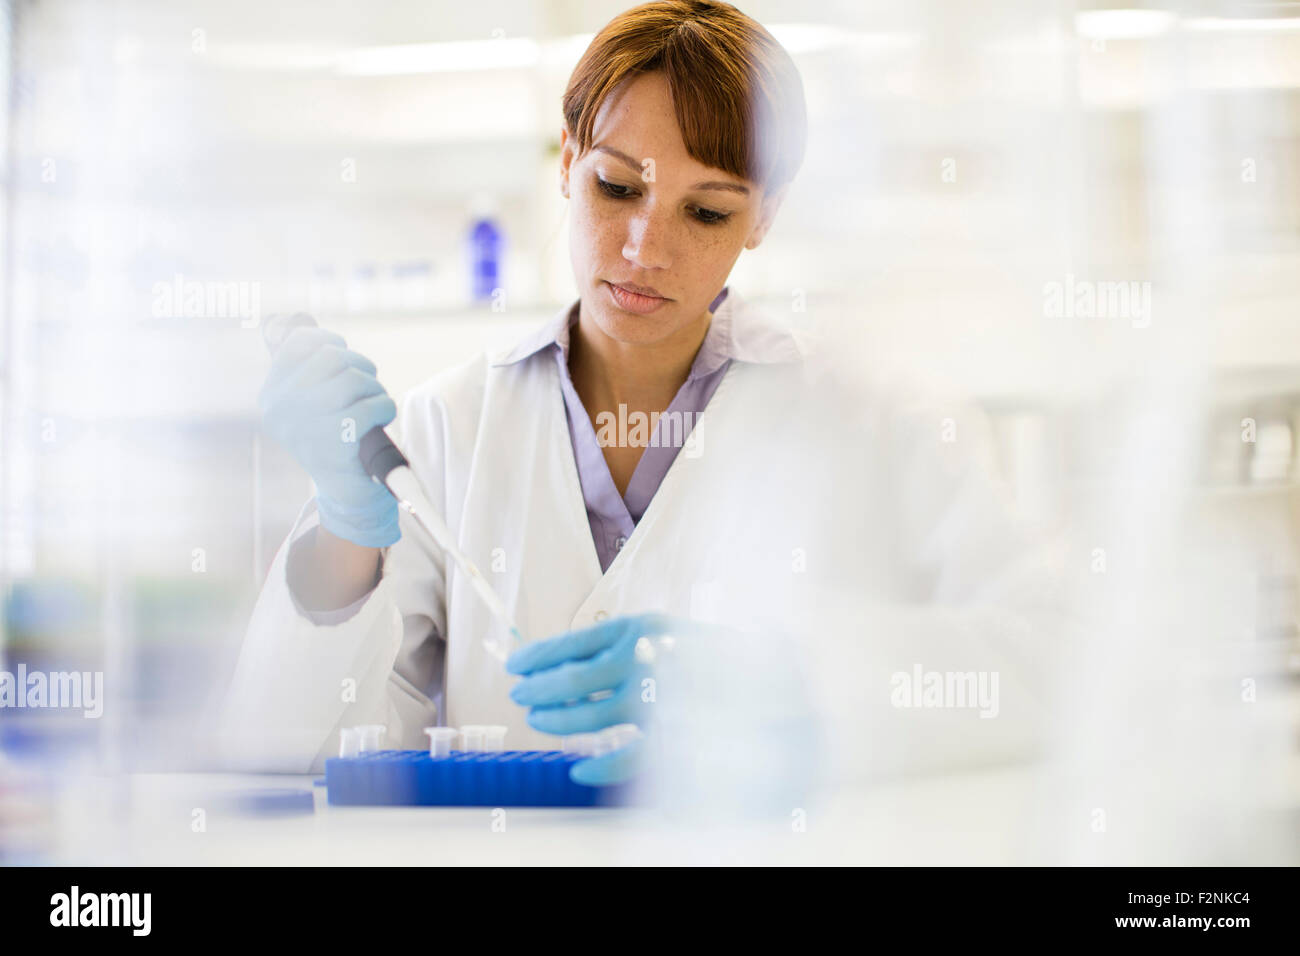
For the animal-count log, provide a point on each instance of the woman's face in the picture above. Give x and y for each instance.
(645, 214)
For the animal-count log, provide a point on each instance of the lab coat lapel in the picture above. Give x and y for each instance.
(668, 495)
(525, 520)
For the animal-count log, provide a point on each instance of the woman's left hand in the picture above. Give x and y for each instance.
(584, 681)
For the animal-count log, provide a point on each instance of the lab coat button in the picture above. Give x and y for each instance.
(600, 615)
(619, 542)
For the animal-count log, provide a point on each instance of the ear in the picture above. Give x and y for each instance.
(766, 214)
(566, 160)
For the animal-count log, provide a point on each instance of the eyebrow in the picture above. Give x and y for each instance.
(711, 184)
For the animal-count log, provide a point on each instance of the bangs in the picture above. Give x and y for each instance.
(736, 93)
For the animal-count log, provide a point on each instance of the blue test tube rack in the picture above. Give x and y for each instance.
(511, 778)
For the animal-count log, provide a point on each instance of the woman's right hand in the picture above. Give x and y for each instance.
(319, 399)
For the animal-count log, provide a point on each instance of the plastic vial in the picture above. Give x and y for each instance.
(471, 738)
(372, 737)
(580, 744)
(623, 734)
(349, 742)
(441, 740)
(494, 738)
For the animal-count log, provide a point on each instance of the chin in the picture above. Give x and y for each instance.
(631, 329)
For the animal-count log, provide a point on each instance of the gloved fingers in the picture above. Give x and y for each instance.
(359, 404)
(584, 643)
(321, 366)
(618, 766)
(586, 716)
(303, 340)
(328, 445)
(341, 392)
(285, 386)
(373, 412)
(576, 679)
(574, 645)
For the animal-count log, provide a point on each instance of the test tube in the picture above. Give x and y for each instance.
(623, 734)
(441, 740)
(494, 738)
(471, 737)
(372, 737)
(349, 742)
(581, 744)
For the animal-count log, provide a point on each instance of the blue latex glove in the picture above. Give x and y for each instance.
(561, 672)
(319, 399)
(617, 767)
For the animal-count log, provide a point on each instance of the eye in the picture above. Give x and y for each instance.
(613, 191)
(710, 217)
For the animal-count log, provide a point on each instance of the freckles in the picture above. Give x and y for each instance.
(607, 236)
(719, 238)
(587, 227)
(720, 244)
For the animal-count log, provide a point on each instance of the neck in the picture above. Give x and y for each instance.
(608, 373)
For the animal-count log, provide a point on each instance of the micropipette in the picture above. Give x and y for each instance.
(386, 465)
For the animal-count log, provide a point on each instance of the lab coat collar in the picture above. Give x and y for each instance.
(739, 331)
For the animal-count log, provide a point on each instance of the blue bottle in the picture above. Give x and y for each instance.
(485, 246)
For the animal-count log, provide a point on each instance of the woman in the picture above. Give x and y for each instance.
(684, 123)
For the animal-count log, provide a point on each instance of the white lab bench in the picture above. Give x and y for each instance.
(149, 819)
(994, 816)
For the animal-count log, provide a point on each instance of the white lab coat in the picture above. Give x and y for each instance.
(748, 515)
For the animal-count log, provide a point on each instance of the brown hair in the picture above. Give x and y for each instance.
(737, 94)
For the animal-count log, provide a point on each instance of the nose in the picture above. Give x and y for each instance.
(648, 240)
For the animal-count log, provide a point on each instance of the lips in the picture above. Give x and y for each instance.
(631, 299)
(640, 289)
